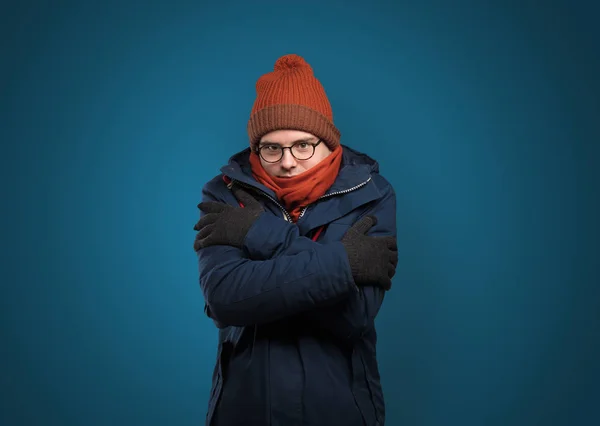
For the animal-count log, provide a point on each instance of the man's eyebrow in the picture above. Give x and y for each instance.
(296, 141)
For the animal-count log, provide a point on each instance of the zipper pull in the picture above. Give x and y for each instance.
(228, 181)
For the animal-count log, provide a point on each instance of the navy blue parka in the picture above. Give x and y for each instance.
(297, 339)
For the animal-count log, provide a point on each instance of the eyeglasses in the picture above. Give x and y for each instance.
(272, 153)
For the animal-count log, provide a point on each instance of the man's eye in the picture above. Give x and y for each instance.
(303, 145)
(272, 148)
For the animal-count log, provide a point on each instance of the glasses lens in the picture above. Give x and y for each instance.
(271, 153)
(303, 151)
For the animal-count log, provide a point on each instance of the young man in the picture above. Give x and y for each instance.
(296, 246)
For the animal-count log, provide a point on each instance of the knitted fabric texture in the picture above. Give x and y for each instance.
(373, 260)
(292, 98)
(223, 224)
(299, 191)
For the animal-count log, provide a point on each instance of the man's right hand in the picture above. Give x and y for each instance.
(373, 259)
(224, 224)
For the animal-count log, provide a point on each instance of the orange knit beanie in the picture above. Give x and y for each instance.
(290, 97)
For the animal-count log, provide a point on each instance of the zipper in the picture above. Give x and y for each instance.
(284, 211)
(345, 191)
(286, 215)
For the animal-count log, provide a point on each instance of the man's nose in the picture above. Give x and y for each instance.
(288, 161)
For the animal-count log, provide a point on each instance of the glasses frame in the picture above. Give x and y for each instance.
(283, 148)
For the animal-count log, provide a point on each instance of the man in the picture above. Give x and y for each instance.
(296, 249)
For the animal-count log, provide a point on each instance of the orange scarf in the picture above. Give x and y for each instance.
(299, 191)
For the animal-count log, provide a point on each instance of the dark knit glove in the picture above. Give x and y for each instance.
(373, 259)
(224, 224)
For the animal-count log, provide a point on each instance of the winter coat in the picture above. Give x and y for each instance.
(297, 339)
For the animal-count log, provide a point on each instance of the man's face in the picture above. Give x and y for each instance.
(290, 166)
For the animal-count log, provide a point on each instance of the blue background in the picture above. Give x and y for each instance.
(485, 117)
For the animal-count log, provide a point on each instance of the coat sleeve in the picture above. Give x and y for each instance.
(239, 290)
(352, 317)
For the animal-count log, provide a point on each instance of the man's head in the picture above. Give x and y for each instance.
(291, 107)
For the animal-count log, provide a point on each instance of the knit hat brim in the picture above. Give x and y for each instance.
(292, 117)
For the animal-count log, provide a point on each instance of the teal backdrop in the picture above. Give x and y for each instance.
(484, 116)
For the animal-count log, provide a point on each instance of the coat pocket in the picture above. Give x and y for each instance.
(219, 375)
(361, 390)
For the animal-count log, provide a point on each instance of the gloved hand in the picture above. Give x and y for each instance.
(373, 259)
(224, 224)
